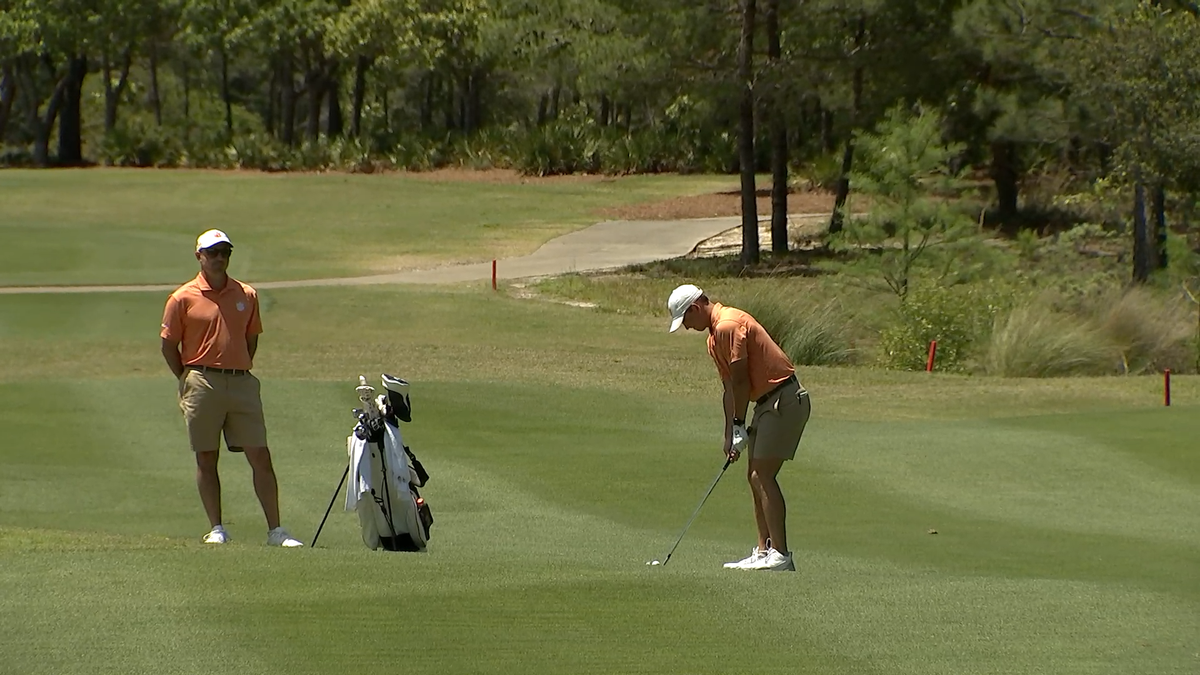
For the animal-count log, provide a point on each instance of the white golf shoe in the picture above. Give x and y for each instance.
(774, 561)
(217, 535)
(745, 563)
(280, 537)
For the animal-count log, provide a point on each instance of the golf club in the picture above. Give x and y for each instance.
(695, 513)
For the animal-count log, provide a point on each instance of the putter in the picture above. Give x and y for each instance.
(695, 513)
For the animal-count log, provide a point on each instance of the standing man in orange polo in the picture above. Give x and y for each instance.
(752, 368)
(210, 332)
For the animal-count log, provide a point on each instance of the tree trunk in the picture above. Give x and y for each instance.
(70, 122)
(779, 139)
(313, 87)
(427, 103)
(334, 122)
(838, 220)
(155, 94)
(360, 93)
(750, 252)
(287, 99)
(27, 89)
(543, 112)
(187, 99)
(112, 95)
(225, 90)
(271, 117)
(1159, 252)
(1005, 173)
(8, 93)
(605, 110)
(1141, 242)
(475, 102)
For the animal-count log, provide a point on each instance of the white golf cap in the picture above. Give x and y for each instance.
(212, 238)
(681, 299)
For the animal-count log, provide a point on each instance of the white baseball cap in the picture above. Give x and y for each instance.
(212, 238)
(681, 299)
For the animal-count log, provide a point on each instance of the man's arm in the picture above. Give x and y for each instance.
(252, 345)
(170, 352)
(738, 389)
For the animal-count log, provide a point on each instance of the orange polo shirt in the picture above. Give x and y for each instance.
(212, 326)
(736, 336)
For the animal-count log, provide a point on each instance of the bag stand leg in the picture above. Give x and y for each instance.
(331, 501)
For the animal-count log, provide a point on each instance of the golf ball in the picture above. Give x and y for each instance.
(654, 562)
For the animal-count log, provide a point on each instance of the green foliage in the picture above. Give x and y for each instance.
(957, 317)
(1139, 78)
(904, 167)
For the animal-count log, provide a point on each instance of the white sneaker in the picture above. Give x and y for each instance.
(756, 555)
(280, 537)
(218, 535)
(774, 561)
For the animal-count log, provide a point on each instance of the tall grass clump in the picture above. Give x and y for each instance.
(1149, 330)
(811, 334)
(1036, 341)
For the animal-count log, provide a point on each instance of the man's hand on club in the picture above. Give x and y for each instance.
(737, 441)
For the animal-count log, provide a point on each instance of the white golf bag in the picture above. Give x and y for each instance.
(383, 483)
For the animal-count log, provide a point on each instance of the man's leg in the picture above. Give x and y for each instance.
(265, 485)
(760, 517)
(763, 471)
(209, 484)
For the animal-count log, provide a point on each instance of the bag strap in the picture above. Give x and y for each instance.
(422, 474)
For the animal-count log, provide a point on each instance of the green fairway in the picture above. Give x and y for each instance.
(564, 455)
(136, 226)
(567, 446)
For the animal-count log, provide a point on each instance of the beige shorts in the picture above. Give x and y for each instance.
(779, 423)
(214, 402)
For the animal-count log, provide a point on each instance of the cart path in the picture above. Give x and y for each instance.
(603, 246)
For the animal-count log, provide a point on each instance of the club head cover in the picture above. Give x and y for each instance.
(398, 397)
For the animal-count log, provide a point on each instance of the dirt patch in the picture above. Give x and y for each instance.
(718, 204)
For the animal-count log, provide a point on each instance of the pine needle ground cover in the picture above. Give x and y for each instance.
(567, 447)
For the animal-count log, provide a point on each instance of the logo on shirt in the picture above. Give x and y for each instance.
(241, 306)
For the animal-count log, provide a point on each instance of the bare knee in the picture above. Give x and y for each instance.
(259, 458)
(206, 462)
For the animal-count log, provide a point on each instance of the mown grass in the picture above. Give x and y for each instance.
(117, 226)
(567, 446)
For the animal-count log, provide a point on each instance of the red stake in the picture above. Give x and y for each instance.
(493, 274)
(1167, 387)
(932, 353)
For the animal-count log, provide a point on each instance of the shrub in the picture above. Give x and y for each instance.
(957, 317)
(1036, 341)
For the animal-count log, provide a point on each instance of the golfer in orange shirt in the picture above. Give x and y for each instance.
(210, 332)
(752, 368)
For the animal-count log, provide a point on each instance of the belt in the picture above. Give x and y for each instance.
(765, 397)
(226, 371)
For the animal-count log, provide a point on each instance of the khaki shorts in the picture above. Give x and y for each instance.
(215, 402)
(779, 423)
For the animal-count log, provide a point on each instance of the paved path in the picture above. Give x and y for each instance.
(606, 245)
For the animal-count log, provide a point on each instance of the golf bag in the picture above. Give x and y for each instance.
(385, 474)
